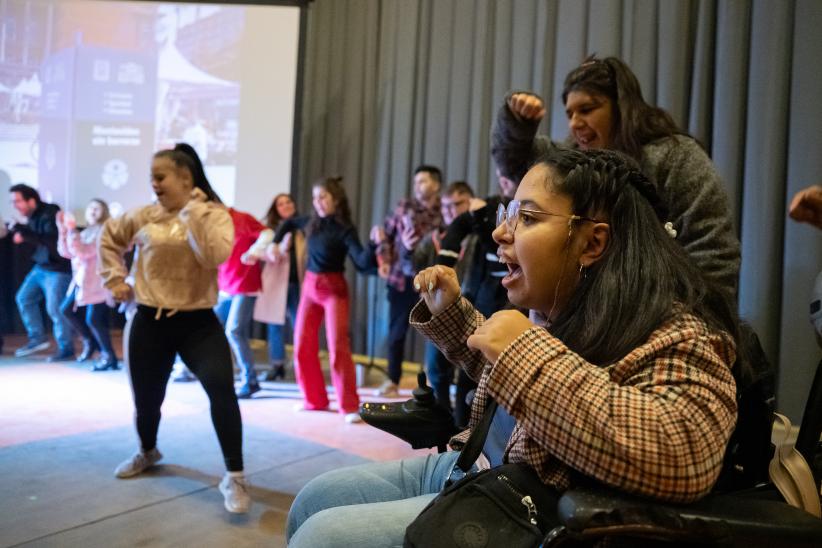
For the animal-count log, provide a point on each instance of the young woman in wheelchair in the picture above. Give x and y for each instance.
(621, 374)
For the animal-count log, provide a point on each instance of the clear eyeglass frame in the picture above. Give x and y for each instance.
(510, 215)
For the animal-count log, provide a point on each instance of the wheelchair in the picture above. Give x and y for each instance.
(743, 510)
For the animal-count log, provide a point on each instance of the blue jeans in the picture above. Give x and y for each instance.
(366, 505)
(400, 304)
(237, 329)
(440, 374)
(276, 341)
(53, 285)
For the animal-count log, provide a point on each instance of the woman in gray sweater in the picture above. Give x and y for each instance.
(605, 109)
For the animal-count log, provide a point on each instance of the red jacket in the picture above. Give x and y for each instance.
(233, 276)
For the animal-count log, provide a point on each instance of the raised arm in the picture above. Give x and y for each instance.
(78, 248)
(514, 141)
(447, 319)
(63, 235)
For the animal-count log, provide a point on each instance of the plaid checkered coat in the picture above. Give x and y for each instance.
(654, 423)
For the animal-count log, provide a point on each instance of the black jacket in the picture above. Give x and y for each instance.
(41, 231)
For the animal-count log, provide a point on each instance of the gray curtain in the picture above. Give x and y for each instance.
(390, 84)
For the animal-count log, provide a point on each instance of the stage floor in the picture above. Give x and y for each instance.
(63, 429)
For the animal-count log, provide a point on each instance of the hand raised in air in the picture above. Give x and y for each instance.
(438, 286)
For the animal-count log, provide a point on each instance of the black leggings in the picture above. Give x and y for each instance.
(199, 339)
(91, 323)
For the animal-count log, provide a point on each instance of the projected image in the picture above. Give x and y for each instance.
(89, 90)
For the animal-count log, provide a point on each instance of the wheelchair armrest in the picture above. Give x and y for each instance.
(728, 520)
(420, 421)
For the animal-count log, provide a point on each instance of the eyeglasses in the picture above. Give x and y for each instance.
(510, 215)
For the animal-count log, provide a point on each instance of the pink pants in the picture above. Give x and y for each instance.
(324, 294)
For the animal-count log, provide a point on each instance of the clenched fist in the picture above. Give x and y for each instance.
(527, 106)
(122, 292)
(498, 331)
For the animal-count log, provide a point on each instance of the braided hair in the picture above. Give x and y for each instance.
(642, 266)
(184, 156)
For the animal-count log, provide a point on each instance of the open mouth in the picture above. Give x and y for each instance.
(514, 272)
(584, 141)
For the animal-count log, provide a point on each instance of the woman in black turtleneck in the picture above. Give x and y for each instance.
(330, 236)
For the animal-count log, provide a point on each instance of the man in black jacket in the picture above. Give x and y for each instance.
(49, 278)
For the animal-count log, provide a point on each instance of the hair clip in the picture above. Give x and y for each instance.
(669, 228)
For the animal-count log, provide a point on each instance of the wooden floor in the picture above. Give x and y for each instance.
(63, 429)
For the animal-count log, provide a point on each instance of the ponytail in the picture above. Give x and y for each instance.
(184, 156)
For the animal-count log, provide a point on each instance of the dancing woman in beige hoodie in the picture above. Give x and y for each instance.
(180, 241)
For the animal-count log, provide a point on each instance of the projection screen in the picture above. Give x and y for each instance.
(90, 89)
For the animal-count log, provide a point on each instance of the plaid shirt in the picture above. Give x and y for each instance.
(424, 219)
(655, 423)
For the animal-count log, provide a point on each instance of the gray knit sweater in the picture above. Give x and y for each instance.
(686, 180)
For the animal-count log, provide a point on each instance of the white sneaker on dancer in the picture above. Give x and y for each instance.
(387, 389)
(353, 418)
(235, 493)
(138, 463)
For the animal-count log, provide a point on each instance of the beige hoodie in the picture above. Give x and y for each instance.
(177, 253)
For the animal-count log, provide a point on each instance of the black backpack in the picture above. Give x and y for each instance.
(750, 449)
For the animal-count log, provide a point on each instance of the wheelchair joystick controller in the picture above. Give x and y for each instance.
(420, 421)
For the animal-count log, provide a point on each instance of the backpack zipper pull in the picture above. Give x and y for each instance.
(532, 509)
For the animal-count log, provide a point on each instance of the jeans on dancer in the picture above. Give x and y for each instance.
(40, 283)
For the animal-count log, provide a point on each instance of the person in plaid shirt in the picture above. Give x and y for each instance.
(621, 374)
(410, 220)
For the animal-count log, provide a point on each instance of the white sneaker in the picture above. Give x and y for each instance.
(138, 463)
(353, 418)
(235, 493)
(387, 389)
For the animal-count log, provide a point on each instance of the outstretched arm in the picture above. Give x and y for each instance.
(364, 257)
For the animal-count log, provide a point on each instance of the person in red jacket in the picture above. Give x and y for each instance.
(239, 284)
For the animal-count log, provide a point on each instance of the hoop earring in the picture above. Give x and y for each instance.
(583, 272)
